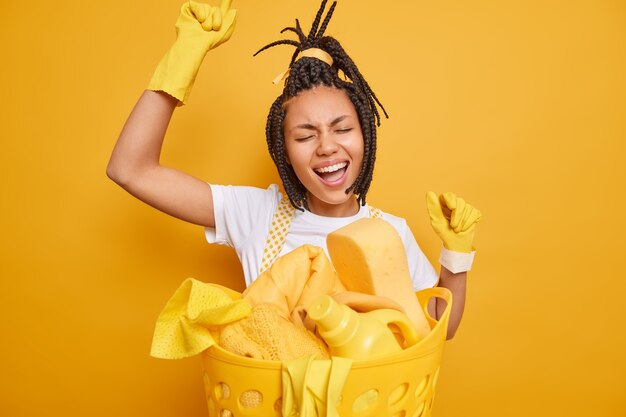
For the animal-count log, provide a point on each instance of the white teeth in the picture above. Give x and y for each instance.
(332, 168)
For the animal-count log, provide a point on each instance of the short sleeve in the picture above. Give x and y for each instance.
(239, 211)
(422, 272)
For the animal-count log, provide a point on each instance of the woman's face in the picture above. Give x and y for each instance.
(324, 145)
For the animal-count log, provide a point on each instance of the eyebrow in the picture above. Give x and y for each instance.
(309, 126)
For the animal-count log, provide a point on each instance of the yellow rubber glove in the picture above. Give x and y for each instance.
(199, 28)
(453, 220)
(313, 387)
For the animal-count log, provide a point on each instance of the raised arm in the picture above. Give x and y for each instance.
(134, 163)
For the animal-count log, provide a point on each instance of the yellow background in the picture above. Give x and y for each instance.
(518, 106)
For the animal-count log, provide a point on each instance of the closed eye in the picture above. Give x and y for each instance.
(346, 130)
(303, 139)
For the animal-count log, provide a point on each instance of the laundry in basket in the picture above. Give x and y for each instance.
(399, 383)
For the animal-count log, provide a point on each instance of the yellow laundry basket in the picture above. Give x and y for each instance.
(398, 385)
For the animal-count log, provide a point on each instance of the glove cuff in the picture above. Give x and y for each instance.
(177, 72)
(456, 262)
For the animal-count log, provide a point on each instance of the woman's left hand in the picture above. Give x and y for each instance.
(453, 220)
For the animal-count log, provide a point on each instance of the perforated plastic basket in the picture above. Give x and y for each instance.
(401, 384)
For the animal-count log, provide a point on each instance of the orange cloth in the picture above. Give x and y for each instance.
(294, 281)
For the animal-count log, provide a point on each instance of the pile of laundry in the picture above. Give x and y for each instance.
(303, 309)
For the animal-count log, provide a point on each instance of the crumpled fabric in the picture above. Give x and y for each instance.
(194, 315)
(294, 281)
(299, 277)
(266, 335)
(312, 387)
(184, 326)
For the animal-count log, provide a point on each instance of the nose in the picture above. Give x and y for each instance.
(327, 144)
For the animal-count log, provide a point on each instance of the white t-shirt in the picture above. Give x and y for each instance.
(243, 217)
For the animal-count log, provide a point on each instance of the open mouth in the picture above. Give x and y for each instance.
(332, 173)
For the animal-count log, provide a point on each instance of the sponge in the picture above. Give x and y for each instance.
(369, 257)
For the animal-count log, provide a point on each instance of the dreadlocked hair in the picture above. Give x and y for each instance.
(307, 73)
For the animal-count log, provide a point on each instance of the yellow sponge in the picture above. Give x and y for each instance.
(369, 257)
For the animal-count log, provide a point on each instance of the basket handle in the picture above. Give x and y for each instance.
(424, 296)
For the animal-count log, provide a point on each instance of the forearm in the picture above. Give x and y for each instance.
(457, 284)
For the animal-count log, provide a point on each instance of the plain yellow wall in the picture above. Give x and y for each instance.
(518, 106)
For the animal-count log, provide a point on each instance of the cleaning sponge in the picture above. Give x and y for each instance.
(369, 257)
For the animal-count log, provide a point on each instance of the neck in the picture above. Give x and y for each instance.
(346, 209)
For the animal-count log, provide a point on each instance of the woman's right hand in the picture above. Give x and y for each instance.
(204, 26)
(199, 28)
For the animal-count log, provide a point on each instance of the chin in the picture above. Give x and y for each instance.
(337, 198)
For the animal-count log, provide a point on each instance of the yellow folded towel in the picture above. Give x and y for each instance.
(266, 335)
(184, 326)
(313, 388)
(294, 281)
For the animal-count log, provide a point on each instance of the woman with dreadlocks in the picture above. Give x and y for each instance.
(321, 134)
